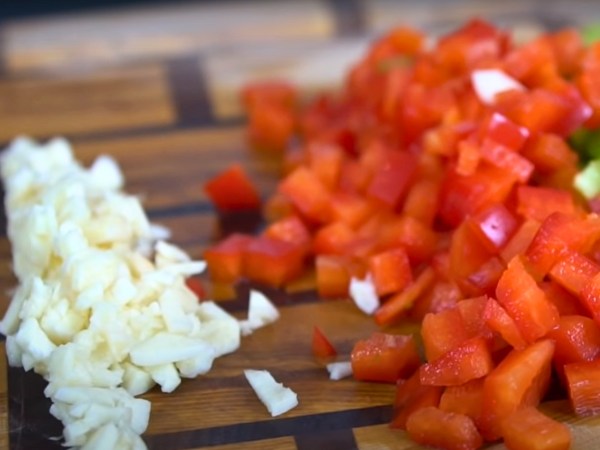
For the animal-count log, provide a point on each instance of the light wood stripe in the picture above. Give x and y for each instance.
(314, 66)
(381, 437)
(118, 36)
(99, 102)
(437, 16)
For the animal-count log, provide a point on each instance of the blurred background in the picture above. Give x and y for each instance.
(88, 69)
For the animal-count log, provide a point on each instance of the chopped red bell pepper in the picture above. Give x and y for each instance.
(412, 396)
(394, 307)
(485, 279)
(472, 312)
(446, 430)
(333, 239)
(225, 259)
(411, 170)
(468, 361)
(495, 225)
(468, 159)
(465, 195)
(385, 358)
(573, 271)
(326, 160)
(529, 429)
(549, 152)
(273, 262)
(321, 346)
(277, 92)
(443, 139)
(270, 126)
(442, 332)
(568, 48)
(578, 110)
(566, 303)
(419, 241)
(468, 251)
(577, 339)
(520, 240)
(590, 297)
(351, 209)
(422, 108)
(539, 110)
(584, 384)
(501, 130)
(308, 194)
(589, 85)
(521, 379)
(464, 399)
(354, 177)
(476, 43)
(440, 296)
(232, 190)
(538, 202)
(334, 273)
(525, 302)
(390, 270)
(532, 62)
(406, 40)
(289, 229)
(278, 206)
(422, 201)
(392, 179)
(559, 233)
(506, 158)
(497, 319)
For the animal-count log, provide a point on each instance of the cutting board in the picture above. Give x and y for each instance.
(156, 89)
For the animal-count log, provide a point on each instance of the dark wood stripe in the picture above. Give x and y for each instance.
(267, 429)
(331, 440)
(249, 222)
(179, 210)
(550, 21)
(349, 16)
(189, 91)
(3, 65)
(39, 7)
(30, 422)
(279, 297)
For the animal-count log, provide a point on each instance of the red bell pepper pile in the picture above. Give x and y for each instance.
(461, 211)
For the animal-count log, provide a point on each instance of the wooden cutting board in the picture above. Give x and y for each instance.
(156, 89)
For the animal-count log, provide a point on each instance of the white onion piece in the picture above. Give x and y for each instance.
(275, 396)
(364, 295)
(106, 173)
(339, 370)
(261, 312)
(490, 82)
(160, 232)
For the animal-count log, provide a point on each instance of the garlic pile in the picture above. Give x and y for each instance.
(95, 313)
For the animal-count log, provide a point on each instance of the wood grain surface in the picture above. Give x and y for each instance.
(104, 101)
(157, 89)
